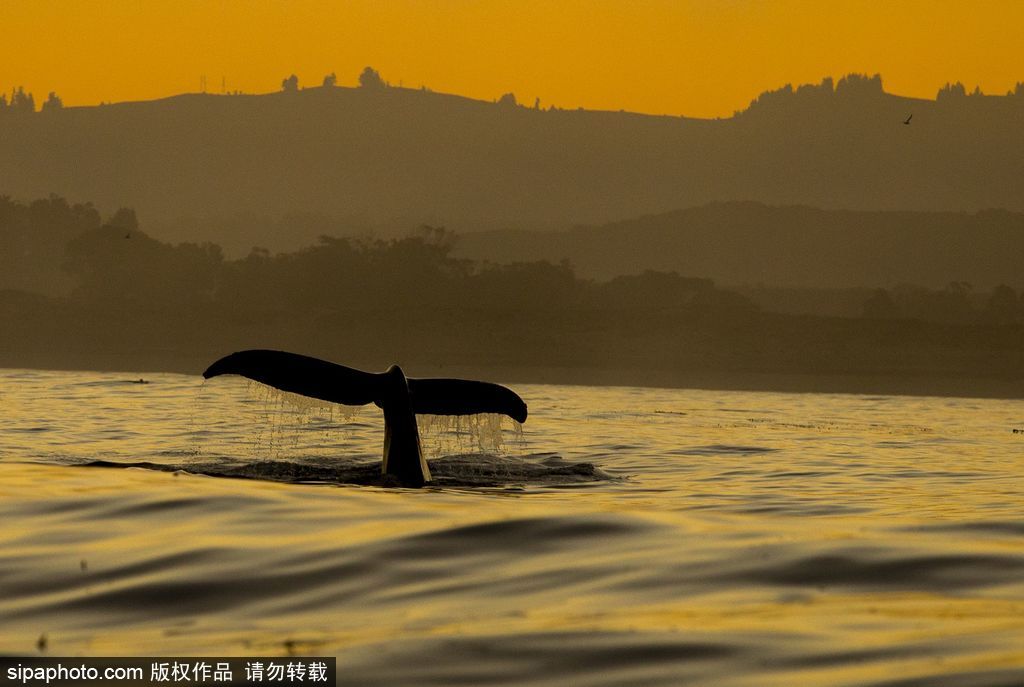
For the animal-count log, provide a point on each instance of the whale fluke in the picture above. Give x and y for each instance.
(400, 398)
(439, 396)
(301, 374)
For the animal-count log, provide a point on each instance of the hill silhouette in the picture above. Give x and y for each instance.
(382, 155)
(130, 301)
(746, 243)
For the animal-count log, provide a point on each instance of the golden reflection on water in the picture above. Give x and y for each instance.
(820, 539)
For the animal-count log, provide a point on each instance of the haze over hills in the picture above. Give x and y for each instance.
(80, 291)
(746, 244)
(382, 156)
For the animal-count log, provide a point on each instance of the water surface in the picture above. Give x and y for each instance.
(639, 536)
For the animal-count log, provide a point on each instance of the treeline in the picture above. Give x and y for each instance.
(21, 102)
(863, 87)
(958, 303)
(55, 248)
(33, 238)
(132, 302)
(746, 244)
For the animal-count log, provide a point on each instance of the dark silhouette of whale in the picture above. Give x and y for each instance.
(400, 397)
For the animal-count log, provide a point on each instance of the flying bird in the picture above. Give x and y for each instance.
(907, 120)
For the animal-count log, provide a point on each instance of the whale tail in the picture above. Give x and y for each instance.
(401, 398)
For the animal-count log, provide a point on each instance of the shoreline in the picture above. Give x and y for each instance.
(867, 384)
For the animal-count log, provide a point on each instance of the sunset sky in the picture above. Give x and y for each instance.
(695, 57)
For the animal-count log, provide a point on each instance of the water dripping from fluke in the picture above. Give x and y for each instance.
(454, 412)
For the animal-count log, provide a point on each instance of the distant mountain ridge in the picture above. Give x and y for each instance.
(394, 154)
(747, 244)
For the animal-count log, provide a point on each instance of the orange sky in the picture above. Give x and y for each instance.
(694, 57)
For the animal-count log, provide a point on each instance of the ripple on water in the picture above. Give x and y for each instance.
(598, 658)
(466, 470)
(721, 538)
(722, 450)
(883, 570)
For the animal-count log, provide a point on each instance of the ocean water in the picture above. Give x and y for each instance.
(624, 536)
